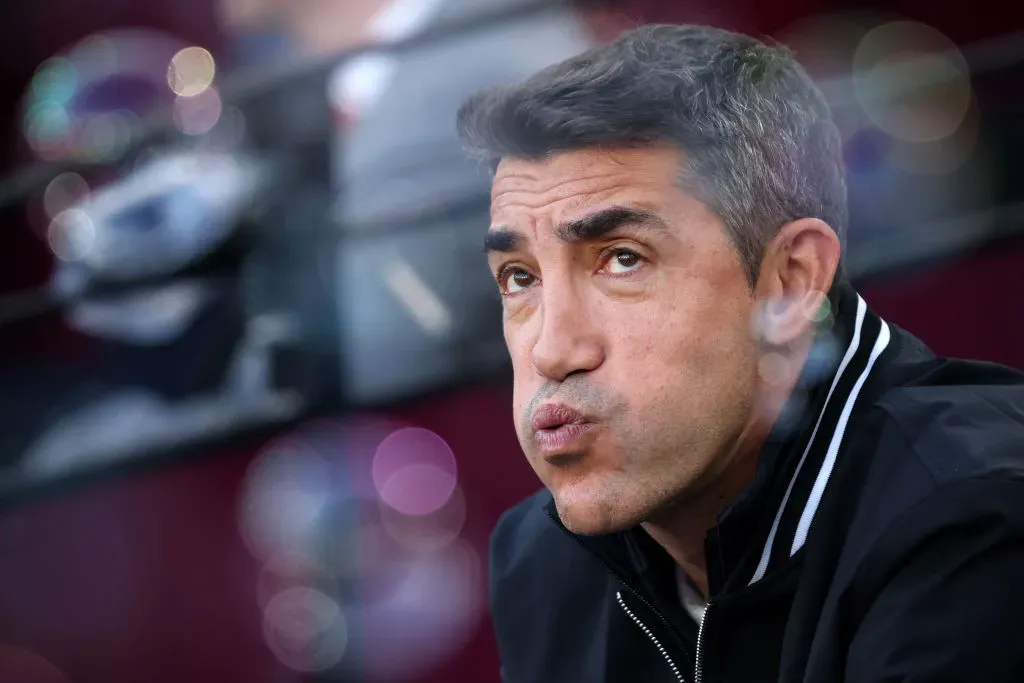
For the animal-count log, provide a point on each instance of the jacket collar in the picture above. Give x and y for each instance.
(800, 460)
(768, 524)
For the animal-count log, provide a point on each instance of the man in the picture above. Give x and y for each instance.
(749, 475)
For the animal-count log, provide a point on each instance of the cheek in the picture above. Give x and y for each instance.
(524, 379)
(716, 335)
(519, 351)
(685, 351)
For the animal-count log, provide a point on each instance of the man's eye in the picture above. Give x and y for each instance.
(624, 261)
(515, 280)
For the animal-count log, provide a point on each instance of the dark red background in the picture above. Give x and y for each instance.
(146, 579)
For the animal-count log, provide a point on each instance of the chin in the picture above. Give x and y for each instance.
(592, 517)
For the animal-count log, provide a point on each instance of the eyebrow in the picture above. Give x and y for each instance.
(584, 229)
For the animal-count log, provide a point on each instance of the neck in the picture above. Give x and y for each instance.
(682, 528)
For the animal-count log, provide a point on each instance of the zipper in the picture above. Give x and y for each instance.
(650, 634)
(698, 672)
(635, 593)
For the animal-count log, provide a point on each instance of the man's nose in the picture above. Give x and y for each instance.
(568, 341)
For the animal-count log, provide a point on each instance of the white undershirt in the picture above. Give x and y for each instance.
(692, 601)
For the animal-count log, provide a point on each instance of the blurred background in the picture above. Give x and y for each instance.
(253, 393)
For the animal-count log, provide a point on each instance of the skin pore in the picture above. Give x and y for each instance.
(626, 304)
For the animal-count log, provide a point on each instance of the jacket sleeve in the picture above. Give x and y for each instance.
(950, 607)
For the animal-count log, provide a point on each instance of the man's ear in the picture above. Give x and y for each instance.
(797, 271)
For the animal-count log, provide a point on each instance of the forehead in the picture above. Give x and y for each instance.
(585, 177)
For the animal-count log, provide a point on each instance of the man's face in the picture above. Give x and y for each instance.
(627, 315)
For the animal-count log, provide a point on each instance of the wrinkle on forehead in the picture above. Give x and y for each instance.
(582, 177)
(570, 193)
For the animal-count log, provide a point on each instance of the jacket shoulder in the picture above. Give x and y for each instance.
(526, 541)
(961, 420)
(943, 450)
(946, 437)
(519, 530)
(543, 584)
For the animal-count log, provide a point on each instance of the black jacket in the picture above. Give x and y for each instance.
(882, 540)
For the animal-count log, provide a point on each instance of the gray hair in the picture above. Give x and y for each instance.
(760, 145)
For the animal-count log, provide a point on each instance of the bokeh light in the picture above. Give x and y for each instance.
(55, 81)
(72, 235)
(305, 629)
(912, 81)
(901, 97)
(287, 570)
(47, 128)
(103, 53)
(47, 122)
(85, 104)
(823, 311)
(427, 533)
(414, 471)
(191, 71)
(431, 616)
(941, 156)
(106, 135)
(365, 554)
(198, 114)
(361, 521)
(287, 490)
(64, 192)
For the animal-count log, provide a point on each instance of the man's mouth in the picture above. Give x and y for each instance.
(560, 430)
